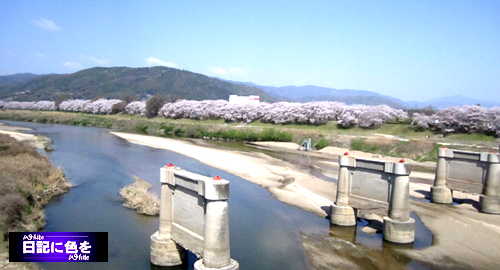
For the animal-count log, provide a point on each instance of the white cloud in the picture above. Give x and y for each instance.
(230, 71)
(99, 61)
(72, 65)
(153, 61)
(46, 24)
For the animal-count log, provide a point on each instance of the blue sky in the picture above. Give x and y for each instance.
(408, 49)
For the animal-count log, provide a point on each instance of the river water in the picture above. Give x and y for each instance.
(265, 233)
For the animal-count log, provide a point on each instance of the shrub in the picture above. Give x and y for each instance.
(118, 107)
(153, 105)
(272, 134)
(167, 129)
(141, 128)
(321, 143)
(12, 206)
(179, 132)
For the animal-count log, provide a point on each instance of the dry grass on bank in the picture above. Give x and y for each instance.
(27, 182)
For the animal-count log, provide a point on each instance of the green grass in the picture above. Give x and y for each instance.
(430, 155)
(321, 143)
(404, 130)
(415, 149)
(359, 144)
(472, 137)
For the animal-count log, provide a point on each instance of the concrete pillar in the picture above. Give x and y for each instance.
(165, 225)
(164, 251)
(398, 226)
(342, 214)
(489, 201)
(216, 250)
(440, 193)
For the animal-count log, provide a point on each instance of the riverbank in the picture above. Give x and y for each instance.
(460, 232)
(29, 182)
(397, 140)
(39, 142)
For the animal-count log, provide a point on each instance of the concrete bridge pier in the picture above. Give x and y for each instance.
(164, 251)
(489, 201)
(440, 193)
(216, 250)
(342, 214)
(399, 227)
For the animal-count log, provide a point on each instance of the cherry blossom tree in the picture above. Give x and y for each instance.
(73, 105)
(136, 107)
(464, 119)
(19, 105)
(44, 105)
(101, 106)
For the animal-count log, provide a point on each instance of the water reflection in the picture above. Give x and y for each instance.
(364, 245)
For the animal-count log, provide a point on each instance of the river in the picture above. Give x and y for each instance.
(265, 233)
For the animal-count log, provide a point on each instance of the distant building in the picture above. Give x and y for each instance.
(243, 99)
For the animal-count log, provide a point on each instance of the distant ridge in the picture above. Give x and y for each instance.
(349, 96)
(120, 82)
(10, 80)
(445, 102)
(316, 93)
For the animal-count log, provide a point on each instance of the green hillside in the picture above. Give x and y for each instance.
(120, 82)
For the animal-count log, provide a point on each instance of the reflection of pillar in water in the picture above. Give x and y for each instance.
(490, 199)
(164, 251)
(440, 193)
(399, 227)
(342, 214)
(347, 233)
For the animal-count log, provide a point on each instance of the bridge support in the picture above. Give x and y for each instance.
(489, 201)
(399, 227)
(216, 250)
(342, 214)
(440, 193)
(164, 251)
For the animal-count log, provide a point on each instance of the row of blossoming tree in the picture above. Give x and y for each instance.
(461, 119)
(453, 119)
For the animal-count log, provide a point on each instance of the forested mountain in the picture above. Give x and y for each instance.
(120, 82)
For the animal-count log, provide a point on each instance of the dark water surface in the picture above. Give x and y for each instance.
(265, 233)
